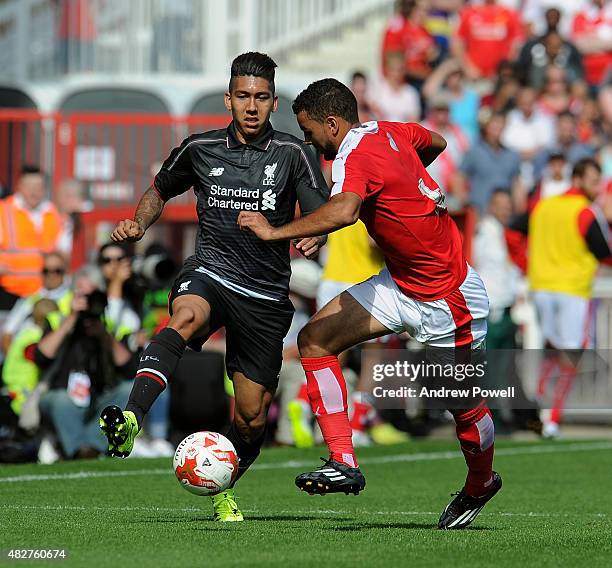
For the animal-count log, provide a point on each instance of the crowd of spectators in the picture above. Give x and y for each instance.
(507, 82)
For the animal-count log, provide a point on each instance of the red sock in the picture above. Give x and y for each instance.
(303, 394)
(476, 435)
(567, 374)
(549, 365)
(360, 416)
(327, 395)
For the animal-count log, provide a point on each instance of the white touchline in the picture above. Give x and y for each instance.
(536, 449)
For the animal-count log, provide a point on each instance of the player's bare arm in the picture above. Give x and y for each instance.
(429, 154)
(340, 211)
(148, 211)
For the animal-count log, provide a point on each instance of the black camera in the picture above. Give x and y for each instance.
(96, 304)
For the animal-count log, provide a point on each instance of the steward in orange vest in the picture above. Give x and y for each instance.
(29, 226)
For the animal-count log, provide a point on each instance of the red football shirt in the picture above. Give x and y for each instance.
(403, 207)
(598, 22)
(489, 33)
(411, 39)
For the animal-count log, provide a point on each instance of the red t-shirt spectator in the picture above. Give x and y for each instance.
(596, 23)
(489, 34)
(413, 40)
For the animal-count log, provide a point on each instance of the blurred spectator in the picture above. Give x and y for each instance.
(84, 366)
(464, 102)
(359, 87)
(19, 373)
(393, 99)
(487, 166)
(543, 15)
(439, 23)
(29, 226)
(589, 127)
(406, 34)
(528, 131)
(55, 287)
(592, 34)
(555, 179)
(71, 202)
(566, 145)
(445, 167)
(506, 88)
(538, 55)
(487, 34)
(499, 274)
(555, 96)
(116, 269)
(567, 240)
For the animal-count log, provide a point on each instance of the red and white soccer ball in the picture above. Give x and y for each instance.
(206, 463)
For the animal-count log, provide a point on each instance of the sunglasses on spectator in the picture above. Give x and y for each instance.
(109, 259)
(47, 271)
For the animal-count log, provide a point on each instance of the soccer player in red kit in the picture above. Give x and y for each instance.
(426, 289)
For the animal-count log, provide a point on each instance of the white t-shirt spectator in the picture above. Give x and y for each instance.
(528, 134)
(491, 259)
(401, 105)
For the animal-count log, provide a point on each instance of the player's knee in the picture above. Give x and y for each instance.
(250, 425)
(250, 419)
(309, 343)
(186, 320)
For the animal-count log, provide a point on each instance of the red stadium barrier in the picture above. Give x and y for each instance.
(26, 137)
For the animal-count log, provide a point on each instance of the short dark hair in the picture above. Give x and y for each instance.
(327, 97)
(358, 75)
(253, 64)
(27, 169)
(581, 166)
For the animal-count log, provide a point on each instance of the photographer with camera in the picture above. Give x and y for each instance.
(116, 267)
(84, 365)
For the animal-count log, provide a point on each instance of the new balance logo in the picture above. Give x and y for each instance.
(216, 172)
(268, 200)
(184, 286)
(269, 170)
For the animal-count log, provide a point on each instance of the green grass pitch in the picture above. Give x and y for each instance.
(554, 510)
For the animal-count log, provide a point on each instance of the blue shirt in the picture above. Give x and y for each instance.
(489, 169)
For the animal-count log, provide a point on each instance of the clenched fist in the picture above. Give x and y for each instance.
(127, 230)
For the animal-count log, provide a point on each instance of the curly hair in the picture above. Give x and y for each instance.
(327, 97)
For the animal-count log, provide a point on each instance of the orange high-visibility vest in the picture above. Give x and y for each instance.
(22, 244)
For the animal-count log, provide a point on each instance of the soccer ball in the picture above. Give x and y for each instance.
(205, 463)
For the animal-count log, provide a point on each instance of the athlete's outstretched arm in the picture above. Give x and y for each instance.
(148, 211)
(430, 153)
(340, 211)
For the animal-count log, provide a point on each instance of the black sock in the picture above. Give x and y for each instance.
(247, 451)
(157, 364)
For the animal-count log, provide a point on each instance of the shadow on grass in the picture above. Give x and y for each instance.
(359, 526)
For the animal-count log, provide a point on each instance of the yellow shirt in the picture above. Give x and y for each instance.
(559, 259)
(351, 258)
